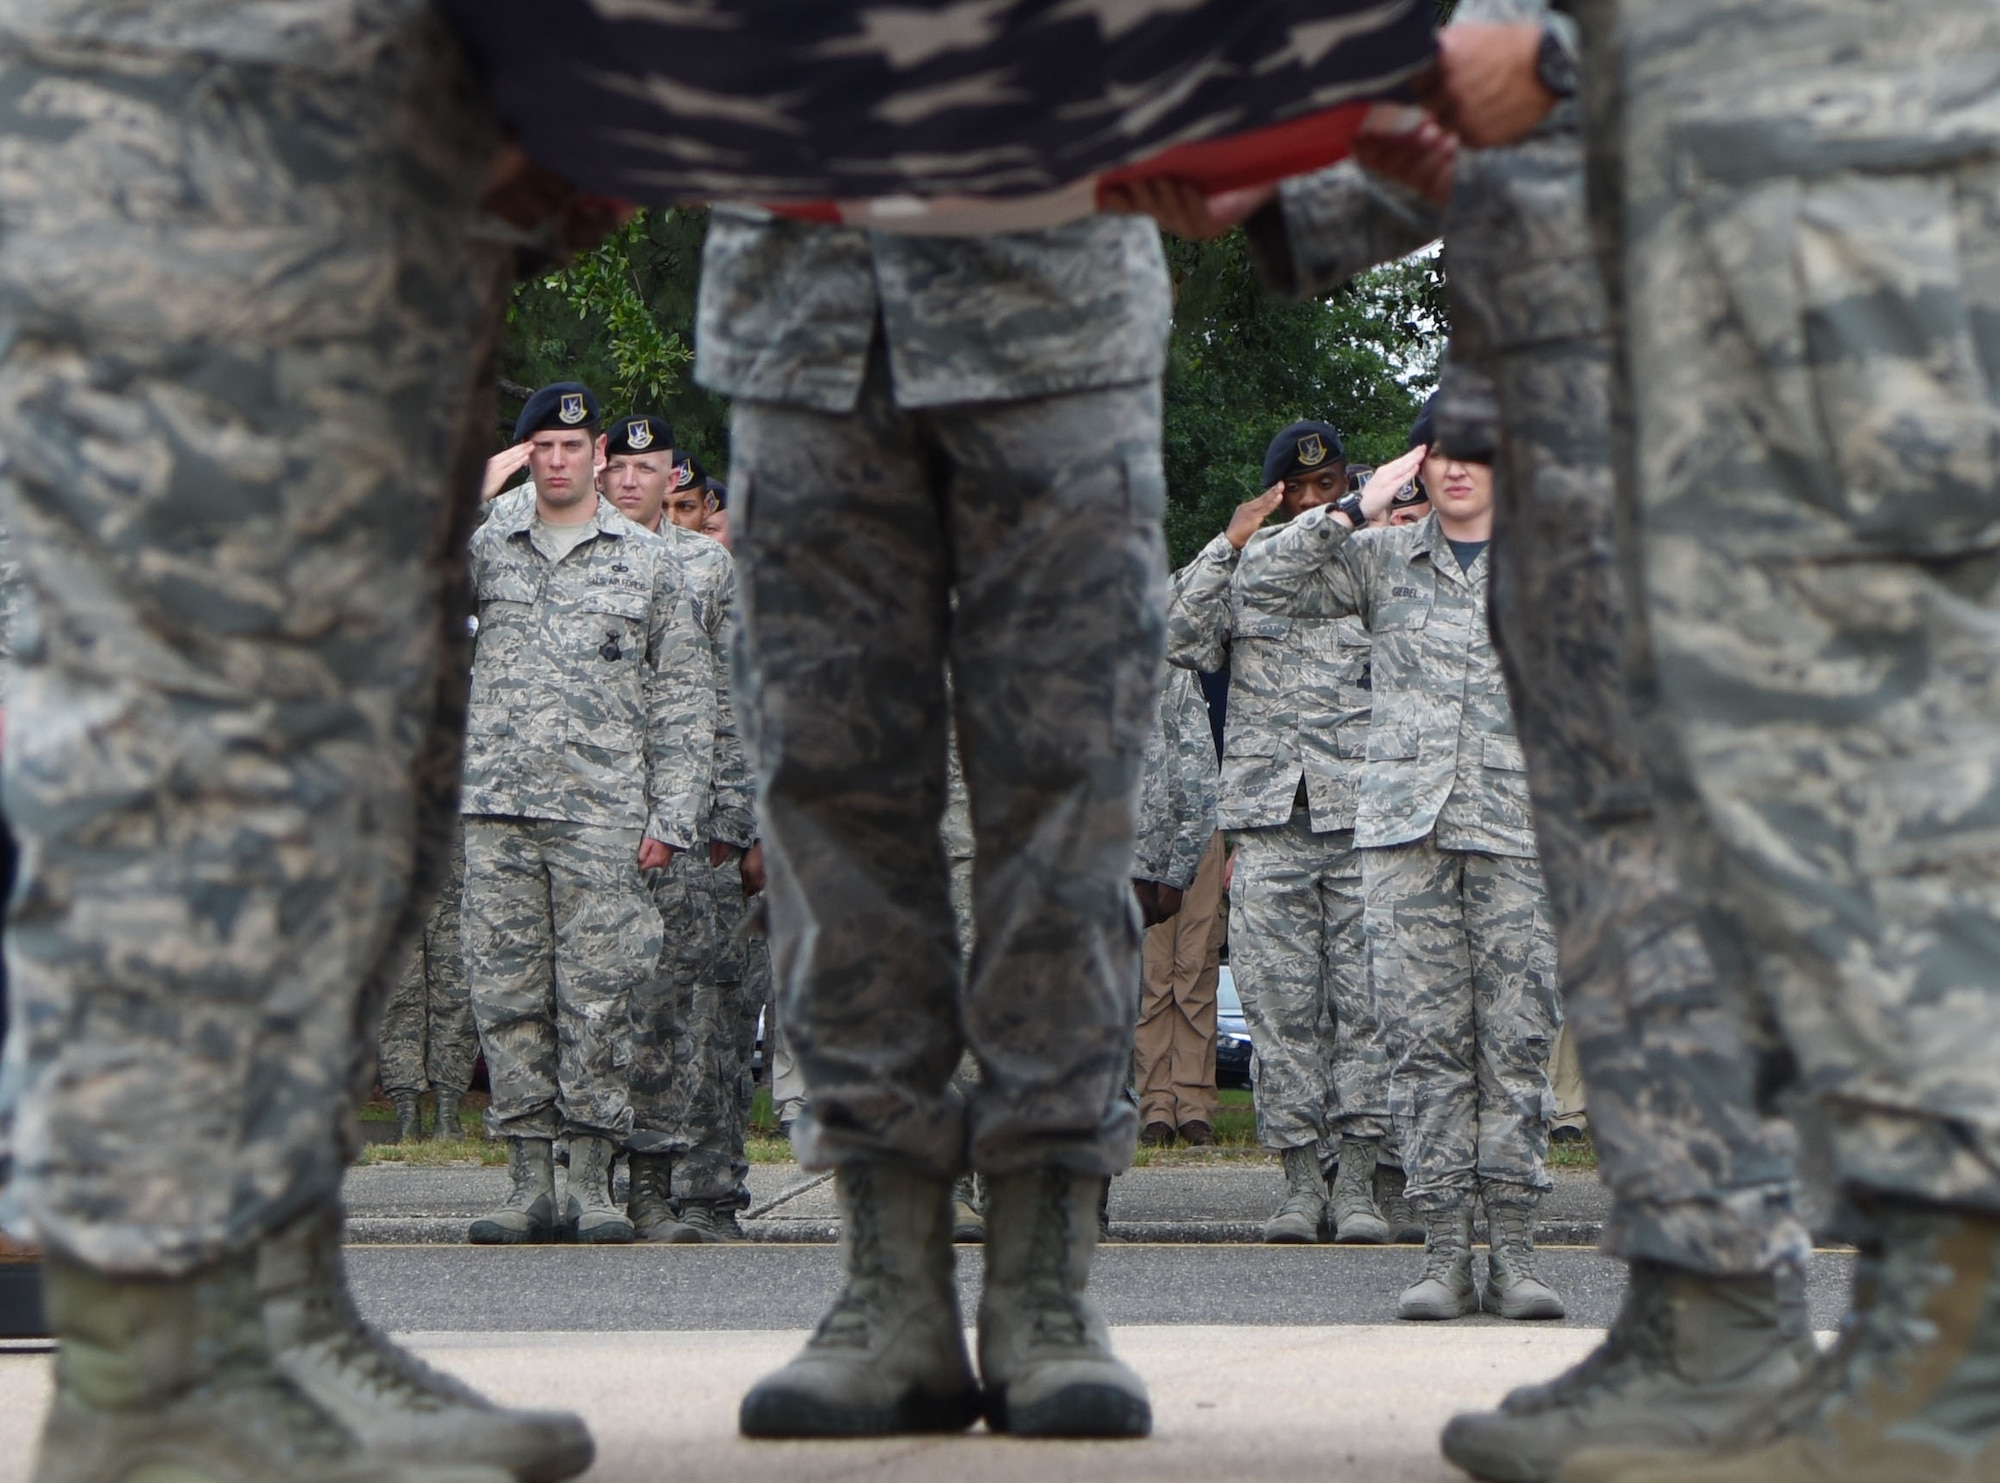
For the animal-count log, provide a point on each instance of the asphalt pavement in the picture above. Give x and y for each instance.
(786, 1286)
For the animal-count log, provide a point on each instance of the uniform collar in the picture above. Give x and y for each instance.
(609, 519)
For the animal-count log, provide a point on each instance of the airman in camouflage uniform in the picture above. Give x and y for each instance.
(919, 419)
(1701, 1182)
(428, 1039)
(689, 1019)
(1298, 724)
(1798, 204)
(1460, 944)
(590, 737)
(248, 303)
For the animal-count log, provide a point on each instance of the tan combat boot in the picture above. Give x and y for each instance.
(1515, 1287)
(1913, 1395)
(1044, 1350)
(1445, 1289)
(1356, 1219)
(590, 1216)
(397, 1405)
(889, 1356)
(1297, 1219)
(528, 1215)
(171, 1379)
(1688, 1359)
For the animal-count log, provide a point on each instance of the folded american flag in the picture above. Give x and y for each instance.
(857, 110)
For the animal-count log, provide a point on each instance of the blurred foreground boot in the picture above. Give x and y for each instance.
(648, 1204)
(528, 1215)
(171, 1381)
(1913, 1392)
(968, 1221)
(1688, 1359)
(590, 1216)
(1515, 1287)
(448, 1125)
(409, 1116)
(889, 1356)
(712, 1221)
(394, 1403)
(1356, 1220)
(1044, 1350)
(1445, 1290)
(1296, 1222)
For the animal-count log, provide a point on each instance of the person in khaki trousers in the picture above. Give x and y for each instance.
(1174, 1053)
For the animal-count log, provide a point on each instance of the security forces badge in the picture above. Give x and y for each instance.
(639, 436)
(1312, 451)
(572, 410)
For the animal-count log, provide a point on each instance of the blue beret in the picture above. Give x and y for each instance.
(1302, 448)
(566, 406)
(640, 433)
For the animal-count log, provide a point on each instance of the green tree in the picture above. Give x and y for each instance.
(620, 319)
(1242, 364)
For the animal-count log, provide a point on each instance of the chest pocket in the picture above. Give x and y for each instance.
(510, 589)
(1405, 606)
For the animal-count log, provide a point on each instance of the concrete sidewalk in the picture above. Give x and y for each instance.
(1229, 1404)
(1222, 1200)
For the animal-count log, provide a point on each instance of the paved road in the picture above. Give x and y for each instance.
(607, 1289)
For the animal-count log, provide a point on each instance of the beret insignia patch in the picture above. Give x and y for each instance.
(639, 436)
(572, 411)
(1312, 451)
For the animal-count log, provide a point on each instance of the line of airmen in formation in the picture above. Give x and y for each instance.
(238, 708)
(587, 1047)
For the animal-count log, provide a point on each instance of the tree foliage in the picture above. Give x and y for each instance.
(620, 319)
(1241, 364)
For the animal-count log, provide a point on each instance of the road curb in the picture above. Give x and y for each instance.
(436, 1230)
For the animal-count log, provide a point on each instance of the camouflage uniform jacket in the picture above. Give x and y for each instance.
(731, 813)
(587, 674)
(1177, 790)
(1442, 755)
(1298, 694)
(789, 311)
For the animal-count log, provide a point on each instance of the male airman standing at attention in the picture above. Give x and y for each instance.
(589, 749)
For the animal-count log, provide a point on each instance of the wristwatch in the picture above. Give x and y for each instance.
(1555, 68)
(1350, 506)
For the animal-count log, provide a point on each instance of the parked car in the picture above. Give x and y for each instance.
(1235, 1057)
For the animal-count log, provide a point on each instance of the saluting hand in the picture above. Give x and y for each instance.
(1251, 515)
(501, 467)
(1380, 490)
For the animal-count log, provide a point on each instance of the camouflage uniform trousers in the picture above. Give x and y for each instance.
(560, 932)
(1464, 963)
(233, 739)
(1699, 1177)
(428, 1038)
(661, 1003)
(1808, 290)
(713, 1057)
(1044, 515)
(1300, 960)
